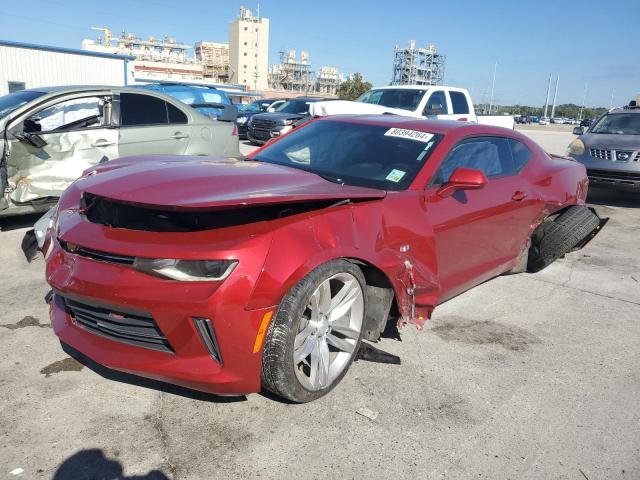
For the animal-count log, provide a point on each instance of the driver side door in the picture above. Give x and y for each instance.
(52, 145)
(479, 232)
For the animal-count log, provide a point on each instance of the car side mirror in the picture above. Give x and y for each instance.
(463, 179)
(433, 109)
(578, 130)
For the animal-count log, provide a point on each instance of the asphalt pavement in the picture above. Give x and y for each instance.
(529, 376)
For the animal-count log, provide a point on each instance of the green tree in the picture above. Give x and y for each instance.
(353, 87)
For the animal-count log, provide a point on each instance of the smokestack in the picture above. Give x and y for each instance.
(555, 94)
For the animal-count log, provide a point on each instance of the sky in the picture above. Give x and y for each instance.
(586, 43)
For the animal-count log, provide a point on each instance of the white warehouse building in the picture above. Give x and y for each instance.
(26, 65)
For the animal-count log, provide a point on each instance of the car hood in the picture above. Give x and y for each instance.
(611, 141)
(209, 183)
(278, 117)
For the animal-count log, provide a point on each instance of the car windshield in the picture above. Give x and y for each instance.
(294, 106)
(354, 154)
(618, 124)
(255, 107)
(9, 103)
(404, 99)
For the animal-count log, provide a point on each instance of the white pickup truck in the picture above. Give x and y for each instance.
(430, 101)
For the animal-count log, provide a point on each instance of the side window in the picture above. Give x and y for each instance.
(140, 109)
(459, 102)
(437, 104)
(75, 114)
(491, 155)
(520, 153)
(175, 114)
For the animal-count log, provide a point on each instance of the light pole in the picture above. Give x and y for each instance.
(546, 103)
(555, 94)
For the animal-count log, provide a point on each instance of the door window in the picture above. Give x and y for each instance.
(137, 109)
(176, 115)
(437, 104)
(75, 114)
(494, 156)
(459, 102)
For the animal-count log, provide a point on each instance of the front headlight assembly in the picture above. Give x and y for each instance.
(576, 147)
(241, 120)
(186, 270)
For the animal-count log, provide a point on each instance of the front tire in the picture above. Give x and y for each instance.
(316, 333)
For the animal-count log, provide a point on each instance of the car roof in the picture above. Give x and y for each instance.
(442, 127)
(413, 87)
(625, 110)
(310, 99)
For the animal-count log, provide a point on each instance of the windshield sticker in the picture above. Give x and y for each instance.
(395, 175)
(409, 134)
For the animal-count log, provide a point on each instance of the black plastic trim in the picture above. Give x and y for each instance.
(208, 337)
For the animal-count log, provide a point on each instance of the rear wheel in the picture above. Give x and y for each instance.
(316, 333)
(553, 238)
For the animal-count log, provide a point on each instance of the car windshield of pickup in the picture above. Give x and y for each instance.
(357, 154)
(405, 99)
(298, 107)
(618, 124)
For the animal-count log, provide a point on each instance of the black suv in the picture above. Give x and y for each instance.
(262, 105)
(264, 126)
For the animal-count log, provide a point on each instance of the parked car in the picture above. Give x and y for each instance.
(610, 149)
(228, 276)
(263, 127)
(557, 120)
(422, 101)
(259, 106)
(586, 122)
(544, 121)
(209, 101)
(51, 135)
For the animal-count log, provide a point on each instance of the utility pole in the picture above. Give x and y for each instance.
(493, 86)
(584, 99)
(555, 94)
(613, 91)
(546, 103)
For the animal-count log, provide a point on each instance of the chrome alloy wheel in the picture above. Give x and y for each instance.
(329, 331)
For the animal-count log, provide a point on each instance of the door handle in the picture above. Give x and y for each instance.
(179, 135)
(102, 143)
(518, 196)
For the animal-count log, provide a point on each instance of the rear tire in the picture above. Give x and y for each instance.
(553, 238)
(304, 318)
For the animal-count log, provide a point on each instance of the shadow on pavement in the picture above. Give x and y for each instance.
(613, 198)
(143, 382)
(20, 221)
(91, 464)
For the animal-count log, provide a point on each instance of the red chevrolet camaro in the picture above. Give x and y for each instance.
(229, 276)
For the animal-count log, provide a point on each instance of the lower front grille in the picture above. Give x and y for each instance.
(137, 328)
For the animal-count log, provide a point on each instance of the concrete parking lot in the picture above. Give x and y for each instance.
(530, 376)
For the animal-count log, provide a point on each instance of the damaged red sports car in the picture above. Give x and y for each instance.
(229, 276)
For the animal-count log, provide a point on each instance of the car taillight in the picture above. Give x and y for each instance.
(234, 132)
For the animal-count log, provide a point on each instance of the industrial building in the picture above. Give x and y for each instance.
(154, 58)
(417, 66)
(214, 58)
(291, 74)
(26, 65)
(328, 80)
(249, 50)
(295, 75)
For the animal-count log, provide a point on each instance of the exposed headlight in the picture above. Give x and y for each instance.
(44, 223)
(289, 122)
(186, 270)
(241, 120)
(286, 129)
(576, 147)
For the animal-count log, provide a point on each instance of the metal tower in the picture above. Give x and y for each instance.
(417, 66)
